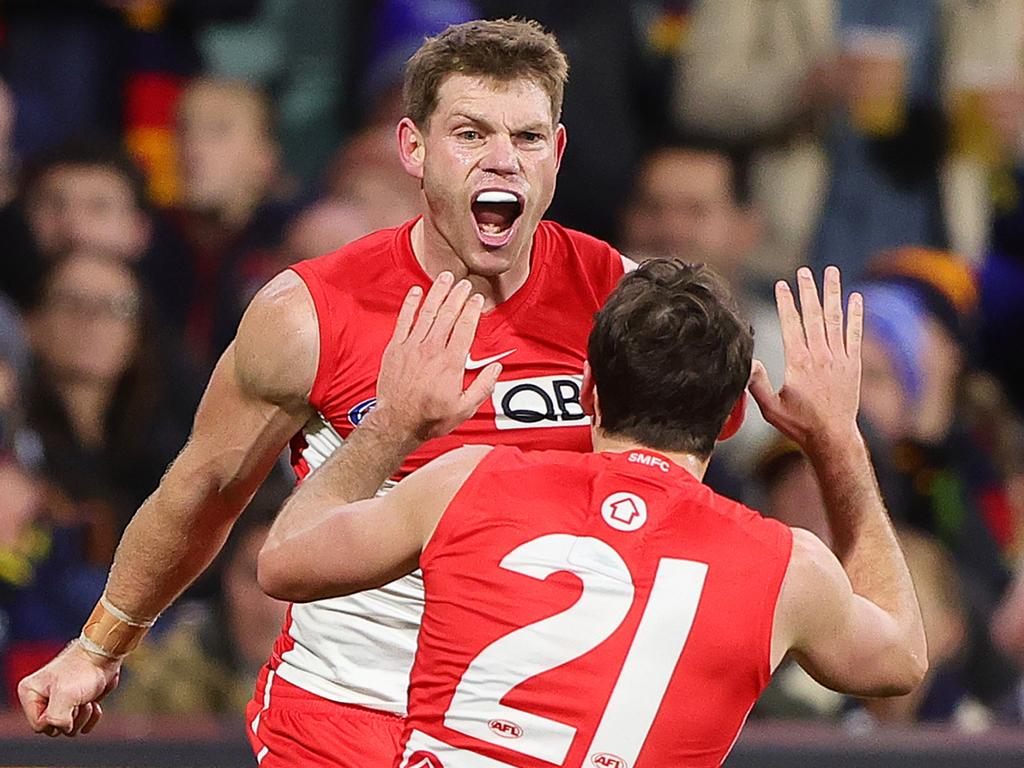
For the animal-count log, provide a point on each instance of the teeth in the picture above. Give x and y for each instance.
(494, 196)
(490, 229)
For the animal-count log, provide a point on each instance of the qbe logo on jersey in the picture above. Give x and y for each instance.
(544, 401)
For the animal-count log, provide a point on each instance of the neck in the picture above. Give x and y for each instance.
(692, 463)
(436, 254)
(86, 404)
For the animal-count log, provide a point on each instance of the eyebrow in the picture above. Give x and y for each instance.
(533, 127)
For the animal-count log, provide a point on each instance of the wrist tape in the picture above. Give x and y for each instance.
(111, 633)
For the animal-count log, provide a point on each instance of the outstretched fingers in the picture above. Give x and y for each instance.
(464, 332)
(407, 314)
(854, 326)
(481, 388)
(431, 305)
(793, 342)
(810, 310)
(449, 313)
(833, 297)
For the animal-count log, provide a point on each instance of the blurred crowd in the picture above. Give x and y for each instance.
(161, 159)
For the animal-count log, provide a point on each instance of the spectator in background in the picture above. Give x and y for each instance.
(86, 193)
(791, 495)
(8, 157)
(366, 173)
(48, 583)
(14, 359)
(124, 55)
(849, 99)
(111, 412)
(691, 199)
(916, 369)
(223, 243)
(324, 227)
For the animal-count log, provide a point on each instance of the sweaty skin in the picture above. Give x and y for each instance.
(850, 618)
(257, 398)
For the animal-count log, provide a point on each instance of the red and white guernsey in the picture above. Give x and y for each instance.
(359, 649)
(598, 610)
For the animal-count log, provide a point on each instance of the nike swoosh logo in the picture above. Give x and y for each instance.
(472, 365)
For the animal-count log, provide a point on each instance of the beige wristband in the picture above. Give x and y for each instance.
(112, 633)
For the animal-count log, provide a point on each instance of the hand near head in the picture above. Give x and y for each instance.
(819, 398)
(420, 386)
(64, 696)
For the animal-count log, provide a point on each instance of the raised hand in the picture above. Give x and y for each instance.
(64, 696)
(420, 386)
(820, 396)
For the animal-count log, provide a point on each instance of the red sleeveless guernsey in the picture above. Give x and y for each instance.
(359, 649)
(539, 334)
(599, 610)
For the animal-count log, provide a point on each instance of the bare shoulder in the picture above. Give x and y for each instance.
(277, 348)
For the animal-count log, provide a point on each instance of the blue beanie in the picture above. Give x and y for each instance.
(895, 315)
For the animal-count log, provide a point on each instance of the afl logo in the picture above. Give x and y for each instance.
(505, 728)
(606, 760)
(359, 411)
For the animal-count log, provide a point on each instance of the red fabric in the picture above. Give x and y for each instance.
(998, 514)
(150, 99)
(514, 499)
(292, 728)
(22, 659)
(358, 290)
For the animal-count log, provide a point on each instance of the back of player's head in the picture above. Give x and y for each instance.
(503, 50)
(670, 357)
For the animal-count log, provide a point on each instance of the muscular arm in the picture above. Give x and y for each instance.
(255, 402)
(853, 622)
(364, 544)
(852, 617)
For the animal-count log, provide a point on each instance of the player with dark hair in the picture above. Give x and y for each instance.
(608, 609)
(482, 135)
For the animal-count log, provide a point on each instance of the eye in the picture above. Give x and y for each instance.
(531, 137)
(468, 135)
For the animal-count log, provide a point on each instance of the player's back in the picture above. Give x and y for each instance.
(591, 610)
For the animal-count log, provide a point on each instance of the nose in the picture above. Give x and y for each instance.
(501, 156)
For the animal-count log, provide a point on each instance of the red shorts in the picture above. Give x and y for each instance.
(289, 726)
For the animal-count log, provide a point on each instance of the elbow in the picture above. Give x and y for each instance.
(911, 673)
(274, 577)
(906, 673)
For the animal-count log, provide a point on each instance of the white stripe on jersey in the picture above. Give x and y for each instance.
(356, 649)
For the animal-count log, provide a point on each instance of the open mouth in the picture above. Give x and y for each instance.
(495, 213)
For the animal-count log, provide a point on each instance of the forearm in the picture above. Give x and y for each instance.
(863, 536)
(174, 536)
(371, 454)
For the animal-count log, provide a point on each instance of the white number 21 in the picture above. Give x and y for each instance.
(536, 648)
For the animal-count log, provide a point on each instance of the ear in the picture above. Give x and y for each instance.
(411, 149)
(560, 139)
(587, 394)
(735, 421)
